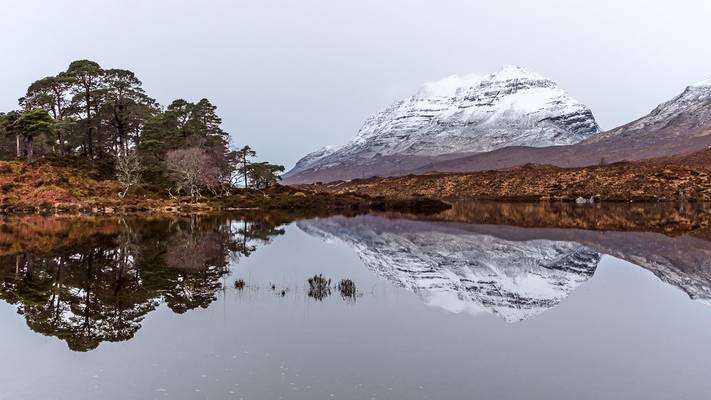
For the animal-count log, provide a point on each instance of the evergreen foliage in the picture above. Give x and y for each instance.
(105, 116)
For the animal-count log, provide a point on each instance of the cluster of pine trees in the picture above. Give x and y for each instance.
(105, 116)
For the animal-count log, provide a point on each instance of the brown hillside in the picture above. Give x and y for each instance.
(46, 184)
(666, 179)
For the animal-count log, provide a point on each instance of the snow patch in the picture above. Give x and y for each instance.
(704, 83)
(513, 72)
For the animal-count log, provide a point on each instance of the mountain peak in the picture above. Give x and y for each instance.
(510, 72)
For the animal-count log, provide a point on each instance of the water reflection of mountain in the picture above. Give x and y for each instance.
(683, 261)
(457, 268)
(90, 280)
(673, 240)
(510, 271)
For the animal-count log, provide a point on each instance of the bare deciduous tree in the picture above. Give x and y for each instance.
(128, 171)
(192, 170)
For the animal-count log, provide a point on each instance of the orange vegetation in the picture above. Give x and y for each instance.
(44, 185)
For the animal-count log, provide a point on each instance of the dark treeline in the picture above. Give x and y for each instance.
(105, 116)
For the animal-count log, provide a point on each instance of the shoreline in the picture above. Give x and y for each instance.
(52, 187)
(306, 202)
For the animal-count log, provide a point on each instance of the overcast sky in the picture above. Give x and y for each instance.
(291, 76)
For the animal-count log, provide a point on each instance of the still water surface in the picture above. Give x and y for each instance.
(444, 307)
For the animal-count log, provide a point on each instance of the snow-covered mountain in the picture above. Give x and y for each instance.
(693, 102)
(694, 97)
(512, 107)
(679, 126)
(461, 270)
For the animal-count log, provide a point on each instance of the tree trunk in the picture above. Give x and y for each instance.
(89, 144)
(89, 139)
(244, 165)
(60, 138)
(19, 150)
(29, 149)
(121, 129)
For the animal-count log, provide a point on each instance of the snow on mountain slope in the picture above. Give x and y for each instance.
(460, 270)
(512, 107)
(681, 125)
(689, 110)
(695, 96)
(313, 157)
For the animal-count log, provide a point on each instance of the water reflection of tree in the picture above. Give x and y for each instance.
(256, 232)
(100, 287)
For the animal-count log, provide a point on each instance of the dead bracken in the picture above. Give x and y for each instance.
(679, 178)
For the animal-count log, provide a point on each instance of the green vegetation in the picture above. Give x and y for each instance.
(105, 117)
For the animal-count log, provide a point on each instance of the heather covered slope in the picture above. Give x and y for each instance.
(665, 179)
(46, 184)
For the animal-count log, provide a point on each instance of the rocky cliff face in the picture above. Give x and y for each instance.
(460, 270)
(512, 107)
